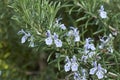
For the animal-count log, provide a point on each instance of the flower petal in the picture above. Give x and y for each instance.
(100, 74)
(67, 66)
(21, 32)
(103, 14)
(58, 43)
(62, 26)
(48, 33)
(74, 66)
(93, 70)
(55, 36)
(77, 38)
(48, 41)
(77, 76)
(23, 39)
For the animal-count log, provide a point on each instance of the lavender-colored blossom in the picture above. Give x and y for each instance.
(62, 26)
(50, 38)
(77, 38)
(48, 33)
(48, 41)
(98, 70)
(88, 45)
(103, 14)
(70, 33)
(89, 49)
(25, 37)
(74, 65)
(67, 65)
(55, 36)
(71, 64)
(77, 76)
(75, 33)
(57, 41)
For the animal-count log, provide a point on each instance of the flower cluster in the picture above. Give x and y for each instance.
(71, 64)
(98, 70)
(50, 38)
(89, 50)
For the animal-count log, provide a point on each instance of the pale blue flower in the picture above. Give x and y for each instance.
(89, 49)
(49, 41)
(77, 76)
(103, 14)
(71, 64)
(62, 26)
(77, 38)
(88, 45)
(98, 70)
(50, 38)
(57, 41)
(74, 65)
(67, 65)
(25, 37)
(48, 33)
(75, 33)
